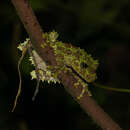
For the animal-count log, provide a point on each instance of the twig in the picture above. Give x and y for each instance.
(20, 79)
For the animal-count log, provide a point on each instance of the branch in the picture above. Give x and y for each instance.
(35, 32)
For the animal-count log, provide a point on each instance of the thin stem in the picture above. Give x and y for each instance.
(111, 89)
(20, 78)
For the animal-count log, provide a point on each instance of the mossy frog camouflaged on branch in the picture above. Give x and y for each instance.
(68, 58)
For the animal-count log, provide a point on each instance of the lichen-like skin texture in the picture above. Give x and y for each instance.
(68, 57)
(74, 59)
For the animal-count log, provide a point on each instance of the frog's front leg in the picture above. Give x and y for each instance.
(84, 87)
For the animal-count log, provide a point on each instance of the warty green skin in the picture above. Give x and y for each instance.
(72, 58)
(68, 57)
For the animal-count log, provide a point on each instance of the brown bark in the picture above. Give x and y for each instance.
(34, 30)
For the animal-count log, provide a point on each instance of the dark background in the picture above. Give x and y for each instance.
(102, 28)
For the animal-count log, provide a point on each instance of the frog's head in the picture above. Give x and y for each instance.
(85, 66)
(89, 70)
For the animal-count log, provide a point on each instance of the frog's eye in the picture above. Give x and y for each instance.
(83, 65)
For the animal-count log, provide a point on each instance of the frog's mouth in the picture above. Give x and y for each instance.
(76, 73)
